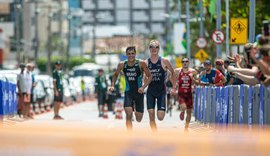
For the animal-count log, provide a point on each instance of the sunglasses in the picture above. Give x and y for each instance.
(185, 61)
(152, 46)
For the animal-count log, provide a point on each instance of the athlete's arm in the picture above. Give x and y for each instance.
(144, 75)
(147, 78)
(194, 78)
(115, 75)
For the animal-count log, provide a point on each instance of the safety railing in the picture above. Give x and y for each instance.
(241, 104)
(8, 99)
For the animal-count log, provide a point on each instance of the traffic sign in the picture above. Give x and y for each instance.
(178, 62)
(201, 55)
(218, 36)
(238, 31)
(201, 42)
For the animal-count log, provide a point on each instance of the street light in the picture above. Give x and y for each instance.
(73, 13)
(36, 39)
(17, 20)
(96, 18)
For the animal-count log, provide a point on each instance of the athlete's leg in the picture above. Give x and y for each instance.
(151, 111)
(168, 102)
(188, 117)
(129, 111)
(153, 125)
(139, 106)
(138, 116)
(183, 106)
(161, 104)
(189, 104)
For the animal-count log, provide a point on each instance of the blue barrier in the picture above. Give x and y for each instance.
(232, 105)
(241, 105)
(195, 103)
(15, 99)
(261, 94)
(8, 98)
(217, 115)
(204, 104)
(225, 105)
(2, 92)
(250, 103)
(199, 105)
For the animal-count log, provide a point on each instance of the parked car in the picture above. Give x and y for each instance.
(87, 72)
(47, 82)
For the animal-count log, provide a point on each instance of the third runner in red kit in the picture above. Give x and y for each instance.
(186, 78)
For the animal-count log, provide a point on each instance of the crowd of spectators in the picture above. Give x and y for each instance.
(249, 67)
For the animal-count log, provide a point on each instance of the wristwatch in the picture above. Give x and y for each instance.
(258, 56)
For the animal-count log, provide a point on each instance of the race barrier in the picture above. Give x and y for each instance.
(241, 104)
(8, 98)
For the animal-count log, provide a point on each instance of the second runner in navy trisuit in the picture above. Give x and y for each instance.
(156, 92)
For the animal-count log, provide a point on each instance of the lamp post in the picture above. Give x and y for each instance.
(36, 40)
(49, 42)
(94, 38)
(17, 25)
(69, 18)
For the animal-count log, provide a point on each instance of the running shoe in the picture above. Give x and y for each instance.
(58, 117)
(182, 115)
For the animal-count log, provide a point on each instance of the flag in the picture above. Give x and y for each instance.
(212, 8)
(184, 40)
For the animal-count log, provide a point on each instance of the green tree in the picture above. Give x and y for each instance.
(238, 9)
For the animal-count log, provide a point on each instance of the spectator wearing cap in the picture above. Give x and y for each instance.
(213, 76)
(202, 77)
(101, 90)
(58, 89)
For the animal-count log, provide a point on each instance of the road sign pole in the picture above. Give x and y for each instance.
(188, 29)
(227, 27)
(218, 25)
(201, 19)
(252, 20)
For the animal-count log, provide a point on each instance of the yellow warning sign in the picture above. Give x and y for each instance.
(178, 62)
(238, 31)
(201, 55)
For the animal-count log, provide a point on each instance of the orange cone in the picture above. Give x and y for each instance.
(42, 108)
(118, 111)
(31, 111)
(36, 108)
(105, 112)
(47, 108)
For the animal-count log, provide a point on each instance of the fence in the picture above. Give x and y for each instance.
(8, 98)
(241, 104)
